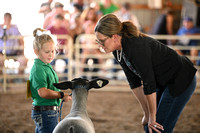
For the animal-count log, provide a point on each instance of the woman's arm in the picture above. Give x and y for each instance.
(139, 93)
(152, 124)
(151, 101)
(148, 104)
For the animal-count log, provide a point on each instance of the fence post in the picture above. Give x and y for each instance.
(70, 57)
(4, 57)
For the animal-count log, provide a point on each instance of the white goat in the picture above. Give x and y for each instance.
(77, 121)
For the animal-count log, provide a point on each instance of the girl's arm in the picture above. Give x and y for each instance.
(49, 94)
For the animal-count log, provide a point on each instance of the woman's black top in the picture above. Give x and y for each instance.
(155, 65)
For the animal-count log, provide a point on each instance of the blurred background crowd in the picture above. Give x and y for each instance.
(76, 17)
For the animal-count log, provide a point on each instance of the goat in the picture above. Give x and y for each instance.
(78, 121)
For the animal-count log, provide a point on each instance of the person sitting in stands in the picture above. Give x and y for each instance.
(15, 47)
(58, 9)
(188, 28)
(125, 14)
(164, 25)
(57, 28)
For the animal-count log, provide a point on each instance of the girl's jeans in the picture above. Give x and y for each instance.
(45, 121)
(169, 108)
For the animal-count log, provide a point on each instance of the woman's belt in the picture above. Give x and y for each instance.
(43, 108)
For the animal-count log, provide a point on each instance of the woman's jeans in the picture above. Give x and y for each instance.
(169, 107)
(45, 121)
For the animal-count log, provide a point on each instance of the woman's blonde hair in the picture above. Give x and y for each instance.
(109, 25)
(41, 39)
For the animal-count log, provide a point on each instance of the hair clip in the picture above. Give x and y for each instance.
(39, 33)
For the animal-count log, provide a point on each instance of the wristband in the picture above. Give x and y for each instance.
(62, 94)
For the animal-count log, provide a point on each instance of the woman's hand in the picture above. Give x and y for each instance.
(145, 120)
(153, 125)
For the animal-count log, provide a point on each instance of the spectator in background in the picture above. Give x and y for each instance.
(89, 19)
(96, 7)
(15, 47)
(89, 49)
(188, 28)
(81, 21)
(107, 6)
(88, 15)
(76, 8)
(58, 29)
(77, 28)
(164, 25)
(79, 4)
(58, 9)
(74, 20)
(125, 14)
(45, 7)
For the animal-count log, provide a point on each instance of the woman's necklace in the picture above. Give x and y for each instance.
(119, 57)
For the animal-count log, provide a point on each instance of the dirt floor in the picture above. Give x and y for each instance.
(111, 112)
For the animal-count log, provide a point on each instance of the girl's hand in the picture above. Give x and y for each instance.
(67, 97)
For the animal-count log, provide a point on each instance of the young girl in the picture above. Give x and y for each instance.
(46, 97)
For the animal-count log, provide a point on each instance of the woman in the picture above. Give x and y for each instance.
(162, 81)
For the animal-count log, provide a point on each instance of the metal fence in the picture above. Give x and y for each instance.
(84, 60)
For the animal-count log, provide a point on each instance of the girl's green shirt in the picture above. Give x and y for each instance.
(43, 75)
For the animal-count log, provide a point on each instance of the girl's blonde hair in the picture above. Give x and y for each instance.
(41, 39)
(109, 25)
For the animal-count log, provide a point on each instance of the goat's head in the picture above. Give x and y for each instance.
(82, 83)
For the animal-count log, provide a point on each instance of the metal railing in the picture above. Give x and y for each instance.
(75, 54)
(9, 77)
(119, 81)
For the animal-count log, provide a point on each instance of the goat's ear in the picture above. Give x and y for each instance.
(98, 83)
(63, 85)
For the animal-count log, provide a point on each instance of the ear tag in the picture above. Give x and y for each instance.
(100, 83)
